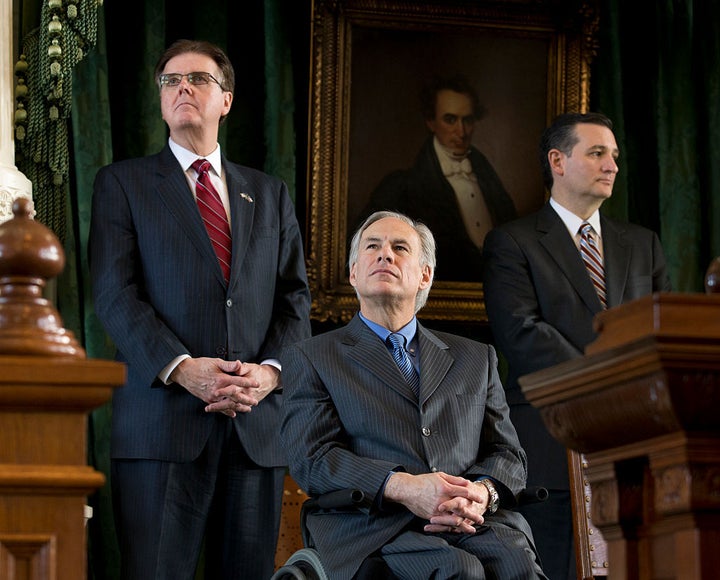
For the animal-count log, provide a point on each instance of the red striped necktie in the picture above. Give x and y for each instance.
(593, 261)
(213, 215)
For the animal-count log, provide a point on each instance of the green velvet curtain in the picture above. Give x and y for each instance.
(655, 74)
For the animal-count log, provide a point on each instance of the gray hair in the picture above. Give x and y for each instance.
(427, 247)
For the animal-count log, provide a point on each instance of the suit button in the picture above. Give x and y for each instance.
(434, 469)
(221, 351)
(228, 303)
(426, 431)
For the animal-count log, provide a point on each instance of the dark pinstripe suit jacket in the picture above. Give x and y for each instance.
(159, 292)
(541, 304)
(350, 418)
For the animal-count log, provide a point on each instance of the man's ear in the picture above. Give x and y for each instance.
(556, 158)
(425, 277)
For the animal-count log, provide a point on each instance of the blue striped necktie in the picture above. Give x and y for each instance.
(593, 261)
(397, 342)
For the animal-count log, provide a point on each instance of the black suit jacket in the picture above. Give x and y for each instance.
(350, 418)
(541, 304)
(423, 193)
(160, 293)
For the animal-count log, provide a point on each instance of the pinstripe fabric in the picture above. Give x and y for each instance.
(349, 418)
(174, 299)
(160, 293)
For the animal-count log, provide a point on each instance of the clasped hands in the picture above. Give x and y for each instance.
(229, 387)
(449, 503)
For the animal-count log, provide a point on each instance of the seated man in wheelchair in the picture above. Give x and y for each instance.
(416, 420)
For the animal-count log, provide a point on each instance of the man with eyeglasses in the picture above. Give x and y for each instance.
(199, 279)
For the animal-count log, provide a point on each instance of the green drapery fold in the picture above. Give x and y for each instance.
(280, 104)
(64, 35)
(663, 94)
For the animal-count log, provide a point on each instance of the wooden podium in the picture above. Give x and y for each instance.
(47, 390)
(643, 406)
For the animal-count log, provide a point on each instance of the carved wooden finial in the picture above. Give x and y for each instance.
(712, 277)
(30, 254)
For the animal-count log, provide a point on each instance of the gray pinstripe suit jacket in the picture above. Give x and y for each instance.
(350, 418)
(159, 292)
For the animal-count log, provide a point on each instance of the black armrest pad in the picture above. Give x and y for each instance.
(534, 494)
(337, 499)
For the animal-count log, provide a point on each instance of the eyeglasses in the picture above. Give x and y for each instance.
(194, 78)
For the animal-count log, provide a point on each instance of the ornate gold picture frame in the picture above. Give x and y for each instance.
(530, 61)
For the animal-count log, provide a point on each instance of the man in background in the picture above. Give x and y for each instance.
(199, 279)
(452, 187)
(415, 419)
(541, 298)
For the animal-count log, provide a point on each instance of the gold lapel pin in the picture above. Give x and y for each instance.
(247, 198)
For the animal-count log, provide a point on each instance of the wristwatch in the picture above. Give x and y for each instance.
(494, 497)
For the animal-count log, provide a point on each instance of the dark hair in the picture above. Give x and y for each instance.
(561, 135)
(457, 83)
(227, 73)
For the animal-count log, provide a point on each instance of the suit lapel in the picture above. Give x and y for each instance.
(556, 239)
(175, 193)
(435, 362)
(616, 256)
(367, 351)
(242, 212)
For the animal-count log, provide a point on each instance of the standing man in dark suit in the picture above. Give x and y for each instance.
(431, 447)
(541, 301)
(452, 187)
(200, 321)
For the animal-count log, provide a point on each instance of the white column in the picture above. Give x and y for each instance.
(13, 183)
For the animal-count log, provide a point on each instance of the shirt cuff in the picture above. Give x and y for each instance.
(164, 375)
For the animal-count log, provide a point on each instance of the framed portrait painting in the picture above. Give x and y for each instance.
(372, 62)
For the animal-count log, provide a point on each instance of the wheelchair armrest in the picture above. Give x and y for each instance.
(336, 499)
(341, 498)
(535, 494)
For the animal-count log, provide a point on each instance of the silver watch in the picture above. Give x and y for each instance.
(494, 497)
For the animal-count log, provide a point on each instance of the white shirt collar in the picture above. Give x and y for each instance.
(450, 163)
(573, 222)
(186, 157)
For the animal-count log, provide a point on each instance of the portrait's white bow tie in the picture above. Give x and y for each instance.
(451, 167)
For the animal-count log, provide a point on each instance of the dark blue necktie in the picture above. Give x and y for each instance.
(397, 342)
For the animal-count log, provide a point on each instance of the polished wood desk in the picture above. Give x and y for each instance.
(643, 407)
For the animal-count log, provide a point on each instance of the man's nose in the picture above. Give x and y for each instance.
(385, 255)
(184, 85)
(611, 166)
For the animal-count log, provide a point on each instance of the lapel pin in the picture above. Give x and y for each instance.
(247, 198)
